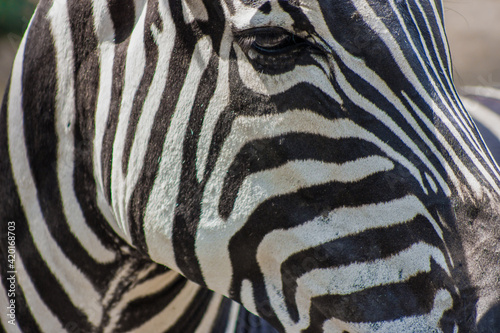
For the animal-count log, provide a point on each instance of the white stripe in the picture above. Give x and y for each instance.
(398, 55)
(441, 34)
(210, 315)
(134, 70)
(279, 245)
(161, 206)
(121, 275)
(5, 302)
(341, 222)
(217, 104)
(214, 233)
(384, 118)
(144, 289)
(193, 10)
(165, 41)
(244, 17)
(65, 123)
(102, 21)
(354, 278)
(105, 33)
(462, 116)
(375, 23)
(233, 318)
(45, 319)
(275, 84)
(246, 296)
(433, 185)
(458, 161)
(173, 312)
(360, 68)
(71, 278)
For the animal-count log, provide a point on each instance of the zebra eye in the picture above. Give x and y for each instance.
(271, 47)
(276, 42)
(270, 41)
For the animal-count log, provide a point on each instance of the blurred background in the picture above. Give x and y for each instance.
(473, 28)
(14, 18)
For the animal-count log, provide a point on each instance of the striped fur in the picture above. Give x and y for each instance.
(309, 160)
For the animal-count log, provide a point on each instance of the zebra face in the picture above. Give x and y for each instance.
(305, 158)
(309, 159)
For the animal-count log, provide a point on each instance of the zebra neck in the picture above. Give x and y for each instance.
(147, 297)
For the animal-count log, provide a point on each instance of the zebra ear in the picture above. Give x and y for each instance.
(194, 10)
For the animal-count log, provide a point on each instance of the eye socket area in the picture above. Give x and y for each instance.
(270, 41)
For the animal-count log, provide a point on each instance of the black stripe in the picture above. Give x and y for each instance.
(179, 63)
(240, 98)
(39, 87)
(153, 20)
(195, 312)
(266, 7)
(382, 303)
(271, 153)
(123, 15)
(39, 92)
(441, 44)
(427, 35)
(11, 211)
(187, 211)
(221, 320)
(145, 308)
(46, 285)
(86, 78)
(215, 25)
(290, 210)
(373, 124)
(365, 246)
(388, 17)
(358, 39)
(114, 112)
(184, 44)
(300, 20)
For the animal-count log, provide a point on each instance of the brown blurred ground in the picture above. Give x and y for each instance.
(473, 28)
(8, 47)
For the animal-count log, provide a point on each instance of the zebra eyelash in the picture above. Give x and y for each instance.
(270, 41)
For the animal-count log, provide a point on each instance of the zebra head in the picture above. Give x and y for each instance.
(309, 159)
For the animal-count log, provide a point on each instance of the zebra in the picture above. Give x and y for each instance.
(243, 166)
